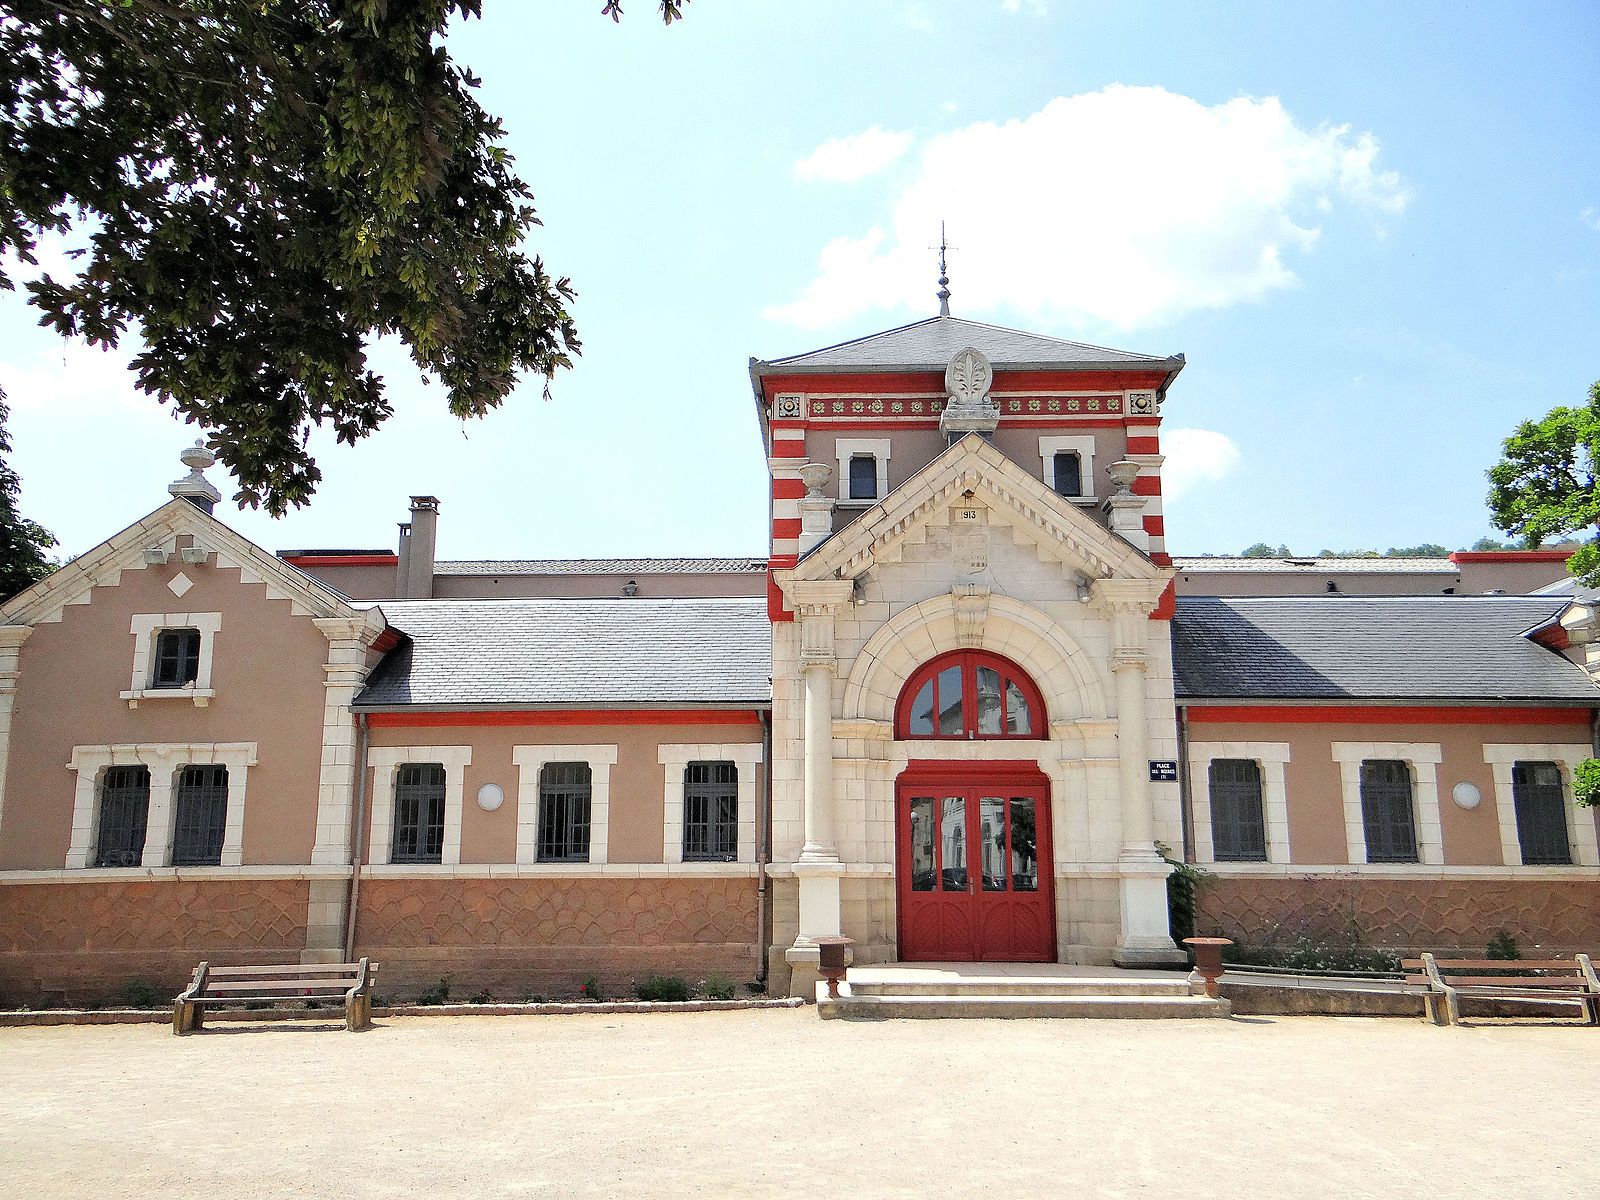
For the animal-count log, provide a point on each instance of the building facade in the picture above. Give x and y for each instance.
(967, 707)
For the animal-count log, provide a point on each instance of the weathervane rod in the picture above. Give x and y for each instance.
(944, 276)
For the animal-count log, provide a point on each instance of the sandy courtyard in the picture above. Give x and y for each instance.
(754, 1103)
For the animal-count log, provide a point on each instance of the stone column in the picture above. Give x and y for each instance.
(1145, 936)
(349, 639)
(11, 639)
(818, 869)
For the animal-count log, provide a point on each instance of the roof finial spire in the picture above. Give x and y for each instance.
(944, 276)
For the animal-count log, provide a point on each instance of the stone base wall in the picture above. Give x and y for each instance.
(867, 913)
(1088, 919)
(71, 942)
(523, 937)
(1453, 915)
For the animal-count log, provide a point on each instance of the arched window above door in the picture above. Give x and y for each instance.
(970, 695)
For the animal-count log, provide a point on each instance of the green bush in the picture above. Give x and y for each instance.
(1502, 946)
(141, 993)
(1310, 953)
(590, 989)
(1586, 783)
(718, 988)
(663, 987)
(534, 998)
(1183, 886)
(481, 996)
(439, 993)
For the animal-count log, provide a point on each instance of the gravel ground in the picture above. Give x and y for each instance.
(766, 1103)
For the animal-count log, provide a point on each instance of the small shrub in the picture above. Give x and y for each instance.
(663, 987)
(718, 988)
(256, 1005)
(1183, 886)
(534, 998)
(1586, 783)
(1502, 946)
(439, 993)
(590, 989)
(481, 996)
(141, 993)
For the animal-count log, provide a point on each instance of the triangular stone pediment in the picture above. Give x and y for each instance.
(125, 551)
(974, 470)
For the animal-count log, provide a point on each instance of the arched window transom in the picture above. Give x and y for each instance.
(970, 695)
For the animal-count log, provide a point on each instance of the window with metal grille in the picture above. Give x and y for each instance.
(863, 477)
(710, 812)
(418, 813)
(1238, 819)
(1541, 813)
(124, 810)
(564, 792)
(200, 814)
(1069, 473)
(177, 659)
(1386, 811)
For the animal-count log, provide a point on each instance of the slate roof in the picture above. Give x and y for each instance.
(930, 344)
(509, 653)
(1371, 648)
(1342, 566)
(600, 566)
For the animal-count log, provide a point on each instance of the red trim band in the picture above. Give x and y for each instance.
(1512, 556)
(625, 716)
(1381, 714)
(341, 560)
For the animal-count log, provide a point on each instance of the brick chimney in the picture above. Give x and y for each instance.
(417, 548)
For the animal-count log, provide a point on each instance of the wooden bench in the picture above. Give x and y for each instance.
(1446, 980)
(219, 987)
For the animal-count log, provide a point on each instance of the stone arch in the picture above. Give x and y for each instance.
(1062, 669)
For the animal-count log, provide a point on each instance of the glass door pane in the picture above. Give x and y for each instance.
(921, 835)
(953, 844)
(992, 831)
(1024, 845)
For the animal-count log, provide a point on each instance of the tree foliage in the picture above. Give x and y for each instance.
(23, 543)
(1263, 550)
(1543, 487)
(260, 188)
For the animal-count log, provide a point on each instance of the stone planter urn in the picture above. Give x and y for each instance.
(833, 957)
(1208, 959)
(815, 476)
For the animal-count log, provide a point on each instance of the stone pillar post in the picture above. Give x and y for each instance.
(818, 869)
(11, 639)
(1145, 935)
(349, 638)
(816, 509)
(1124, 509)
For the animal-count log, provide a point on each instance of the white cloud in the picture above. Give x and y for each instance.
(1039, 8)
(846, 159)
(1590, 217)
(1123, 207)
(1194, 457)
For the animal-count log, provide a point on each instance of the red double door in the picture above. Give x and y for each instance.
(973, 871)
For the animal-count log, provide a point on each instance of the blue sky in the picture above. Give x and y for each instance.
(1374, 230)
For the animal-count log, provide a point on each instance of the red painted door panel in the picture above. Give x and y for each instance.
(973, 876)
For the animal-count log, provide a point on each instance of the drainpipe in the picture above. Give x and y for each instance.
(1185, 787)
(763, 849)
(358, 837)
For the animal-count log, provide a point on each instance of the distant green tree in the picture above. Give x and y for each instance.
(1489, 543)
(23, 543)
(1425, 550)
(1543, 487)
(1262, 550)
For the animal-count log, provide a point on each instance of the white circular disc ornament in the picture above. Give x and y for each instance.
(1466, 795)
(491, 796)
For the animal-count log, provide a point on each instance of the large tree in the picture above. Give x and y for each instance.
(24, 544)
(260, 187)
(1544, 485)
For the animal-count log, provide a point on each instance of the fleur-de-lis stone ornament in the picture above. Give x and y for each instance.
(968, 377)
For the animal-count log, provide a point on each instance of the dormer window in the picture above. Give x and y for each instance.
(863, 470)
(177, 658)
(863, 477)
(1068, 473)
(172, 656)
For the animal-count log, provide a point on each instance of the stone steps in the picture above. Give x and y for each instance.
(1012, 1003)
(977, 987)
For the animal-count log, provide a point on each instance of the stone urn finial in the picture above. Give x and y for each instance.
(815, 476)
(195, 487)
(1123, 473)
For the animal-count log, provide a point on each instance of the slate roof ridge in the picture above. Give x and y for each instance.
(711, 564)
(1045, 339)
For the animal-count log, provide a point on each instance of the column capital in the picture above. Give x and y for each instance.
(12, 636)
(365, 628)
(1126, 597)
(816, 597)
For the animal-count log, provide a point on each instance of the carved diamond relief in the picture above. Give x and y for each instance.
(179, 584)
